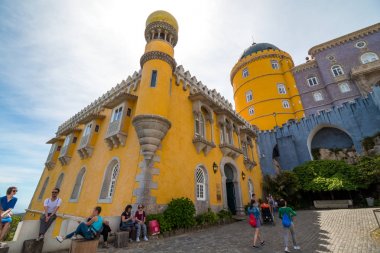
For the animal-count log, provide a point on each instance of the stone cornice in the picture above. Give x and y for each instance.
(126, 86)
(305, 66)
(343, 39)
(270, 53)
(157, 55)
(164, 27)
(215, 100)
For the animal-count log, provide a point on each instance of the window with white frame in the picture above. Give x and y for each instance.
(344, 87)
(200, 125)
(87, 129)
(251, 110)
(201, 184)
(117, 113)
(221, 135)
(250, 187)
(285, 104)
(368, 57)
(66, 142)
(281, 88)
(275, 64)
(248, 96)
(245, 72)
(109, 181)
(337, 70)
(59, 181)
(43, 189)
(312, 81)
(318, 96)
(78, 185)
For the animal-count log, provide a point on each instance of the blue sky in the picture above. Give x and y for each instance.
(56, 57)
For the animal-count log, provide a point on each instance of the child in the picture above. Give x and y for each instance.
(286, 214)
(254, 209)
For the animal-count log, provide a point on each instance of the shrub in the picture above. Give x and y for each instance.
(165, 225)
(11, 233)
(180, 213)
(225, 214)
(209, 217)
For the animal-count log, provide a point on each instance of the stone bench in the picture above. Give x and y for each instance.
(4, 249)
(84, 246)
(121, 239)
(327, 204)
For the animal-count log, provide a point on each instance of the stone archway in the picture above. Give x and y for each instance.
(232, 195)
(329, 142)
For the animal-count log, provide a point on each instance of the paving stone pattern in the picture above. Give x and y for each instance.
(338, 231)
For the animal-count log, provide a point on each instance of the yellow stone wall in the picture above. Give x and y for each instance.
(177, 157)
(263, 80)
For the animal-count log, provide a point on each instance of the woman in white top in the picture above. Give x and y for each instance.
(51, 206)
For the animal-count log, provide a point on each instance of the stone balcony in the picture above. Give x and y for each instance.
(115, 137)
(64, 157)
(201, 144)
(248, 163)
(365, 68)
(85, 150)
(230, 150)
(49, 161)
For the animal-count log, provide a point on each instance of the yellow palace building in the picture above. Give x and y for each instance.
(159, 134)
(265, 91)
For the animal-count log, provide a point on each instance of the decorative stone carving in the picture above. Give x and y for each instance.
(230, 150)
(151, 130)
(158, 56)
(249, 164)
(203, 145)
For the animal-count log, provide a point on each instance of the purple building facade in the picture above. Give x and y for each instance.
(340, 70)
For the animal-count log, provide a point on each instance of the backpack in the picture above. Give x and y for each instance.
(252, 220)
(286, 221)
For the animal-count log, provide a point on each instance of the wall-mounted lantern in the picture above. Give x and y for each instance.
(214, 167)
(242, 175)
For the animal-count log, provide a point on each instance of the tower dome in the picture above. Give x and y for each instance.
(256, 47)
(162, 16)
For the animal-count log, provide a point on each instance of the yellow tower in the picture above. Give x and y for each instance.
(265, 91)
(158, 65)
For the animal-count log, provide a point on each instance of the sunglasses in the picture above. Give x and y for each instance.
(140, 207)
(54, 192)
(14, 190)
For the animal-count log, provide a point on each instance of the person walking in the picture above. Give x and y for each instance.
(254, 213)
(287, 214)
(51, 206)
(8, 203)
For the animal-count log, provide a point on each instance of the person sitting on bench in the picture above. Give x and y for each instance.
(89, 230)
(105, 231)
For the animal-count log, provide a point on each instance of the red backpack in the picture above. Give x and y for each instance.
(252, 220)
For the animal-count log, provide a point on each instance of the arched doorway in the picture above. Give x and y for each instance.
(331, 143)
(276, 160)
(230, 188)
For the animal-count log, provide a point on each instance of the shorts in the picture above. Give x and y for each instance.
(6, 220)
(258, 223)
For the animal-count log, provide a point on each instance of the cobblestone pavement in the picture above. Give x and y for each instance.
(338, 231)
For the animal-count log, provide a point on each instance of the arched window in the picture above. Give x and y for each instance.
(109, 182)
(337, 70)
(78, 185)
(200, 184)
(369, 57)
(59, 181)
(42, 192)
(250, 188)
(200, 125)
(251, 110)
(248, 96)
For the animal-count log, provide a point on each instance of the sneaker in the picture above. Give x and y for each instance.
(297, 247)
(3, 244)
(105, 246)
(262, 243)
(254, 246)
(59, 239)
(137, 239)
(145, 238)
(287, 250)
(74, 237)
